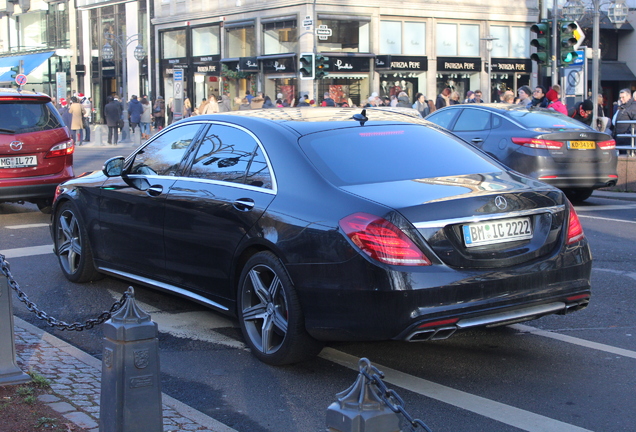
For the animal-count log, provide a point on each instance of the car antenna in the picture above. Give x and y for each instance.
(362, 117)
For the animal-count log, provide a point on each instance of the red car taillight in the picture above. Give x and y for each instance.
(538, 143)
(62, 149)
(382, 241)
(575, 229)
(607, 145)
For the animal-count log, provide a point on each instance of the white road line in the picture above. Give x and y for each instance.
(618, 272)
(27, 251)
(524, 420)
(574, 340)
(605, 207)
(36, 225)
(607, 219)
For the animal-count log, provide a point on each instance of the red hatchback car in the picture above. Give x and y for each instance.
(36, 149)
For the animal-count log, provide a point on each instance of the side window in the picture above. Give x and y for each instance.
(496, 121)
(164, 154)
(472, 120)
(443, 118)
(232, 155)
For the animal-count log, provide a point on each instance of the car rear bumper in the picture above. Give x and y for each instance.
(28, 192)
(418, 304)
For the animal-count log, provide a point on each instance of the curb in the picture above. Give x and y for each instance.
(83, 375)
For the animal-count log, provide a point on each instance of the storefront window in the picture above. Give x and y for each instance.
(206, 41)
(414, 38)
(520, 42)
(346, 36)
(58, 26)
(462, 40)
(33, 30)
(390, 37)
(280, 37)
(500, 46)
(240, 42)
(174, 44)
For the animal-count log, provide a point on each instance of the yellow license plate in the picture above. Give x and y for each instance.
(584, 145)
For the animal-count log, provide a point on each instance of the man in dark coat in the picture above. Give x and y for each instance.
(583, 112)
(112, 112)
(134, 111)
(626, 111)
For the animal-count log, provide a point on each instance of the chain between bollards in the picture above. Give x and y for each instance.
(53, 322)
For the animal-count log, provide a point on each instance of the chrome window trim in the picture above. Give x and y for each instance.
(272, 191)
(493, 216)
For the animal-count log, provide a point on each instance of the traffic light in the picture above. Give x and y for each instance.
(567, 41)
(15, 70)
(541, 42)
(306, 68)
(322, 65)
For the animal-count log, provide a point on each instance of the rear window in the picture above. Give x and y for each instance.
(375, 154)
(545, 119)
(28, 116)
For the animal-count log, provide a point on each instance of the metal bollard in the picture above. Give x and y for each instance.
(360, 409)
(130, 398)
(10, 373)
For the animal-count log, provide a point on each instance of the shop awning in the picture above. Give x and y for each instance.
(613, 71)
(30, 62)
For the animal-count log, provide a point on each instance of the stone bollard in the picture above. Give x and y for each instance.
(10, 373)
(130, 398)
(360, 408)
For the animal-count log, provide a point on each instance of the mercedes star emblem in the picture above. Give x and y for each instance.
(501, 202)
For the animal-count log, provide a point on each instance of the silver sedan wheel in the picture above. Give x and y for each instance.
(265, 309)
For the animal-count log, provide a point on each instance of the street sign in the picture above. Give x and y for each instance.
(323, 32)
(308, 22)
(580, 57)
(177, 82)
(21, 79)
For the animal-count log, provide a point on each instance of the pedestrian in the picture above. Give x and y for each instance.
(327, 101)
(257, 101)
(470, 96)
(420, 105)
(201, 108)
(583, 112)
(159, 113)
(508, 97)
(403, 100)
(454, 98)
(284, 102)
(248, 96)
(555, 102)
(626, 111)
(87, 104)
(112, 112)
(525, 96)
(146, 117)
(476, 97)
(134, 112)
(66, 116)
(538, 97)
(226, 103)
(304, 101)
(443, 99)
(212, 106)
(77, 120)
(245, 104)
(268, 103)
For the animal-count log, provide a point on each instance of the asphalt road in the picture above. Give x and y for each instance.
(558, 373)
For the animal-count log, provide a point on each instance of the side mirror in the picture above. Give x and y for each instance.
(114, 167)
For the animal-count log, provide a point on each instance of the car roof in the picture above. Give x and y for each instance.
(305, 120)
(16, 94)
(500, 107)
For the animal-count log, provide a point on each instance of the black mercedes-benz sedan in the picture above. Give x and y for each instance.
(326, 224)
(541, 143)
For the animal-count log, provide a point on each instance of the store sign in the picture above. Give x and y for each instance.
(248, 64)
(169, 65)
(458, 64)
(401, 63)
(279, 65)
(511, 65)
(349, 64)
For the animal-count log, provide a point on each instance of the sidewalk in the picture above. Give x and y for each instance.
(99, 137)
(626, 196)
(75, 380)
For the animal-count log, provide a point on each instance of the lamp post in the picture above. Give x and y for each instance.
(617, 14)
(489, 39)
(108, 53)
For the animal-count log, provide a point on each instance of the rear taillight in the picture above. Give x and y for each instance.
(62, 149)
(607, 145)
(538, 143)
(382, 241)
(575, 230)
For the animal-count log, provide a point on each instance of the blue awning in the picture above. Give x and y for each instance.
(30, 62)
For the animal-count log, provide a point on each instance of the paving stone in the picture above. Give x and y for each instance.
(62, 407)
(48, 398)
(82, 420)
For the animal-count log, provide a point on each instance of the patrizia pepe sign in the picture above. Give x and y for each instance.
(401, 63)
(458, 64)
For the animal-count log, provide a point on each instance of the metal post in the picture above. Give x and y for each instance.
(10, 373)
(130, 399)
(555, 46)
(595, 62)
(360, 409)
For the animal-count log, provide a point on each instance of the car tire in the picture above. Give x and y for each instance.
(72, 247)
(270, 314)
(578, 195)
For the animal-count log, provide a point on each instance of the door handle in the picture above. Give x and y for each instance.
(477, 140)
(244, 204)
(155, 190)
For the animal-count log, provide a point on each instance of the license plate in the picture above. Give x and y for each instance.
(582, 145)
(500, 231)
(18, 161)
